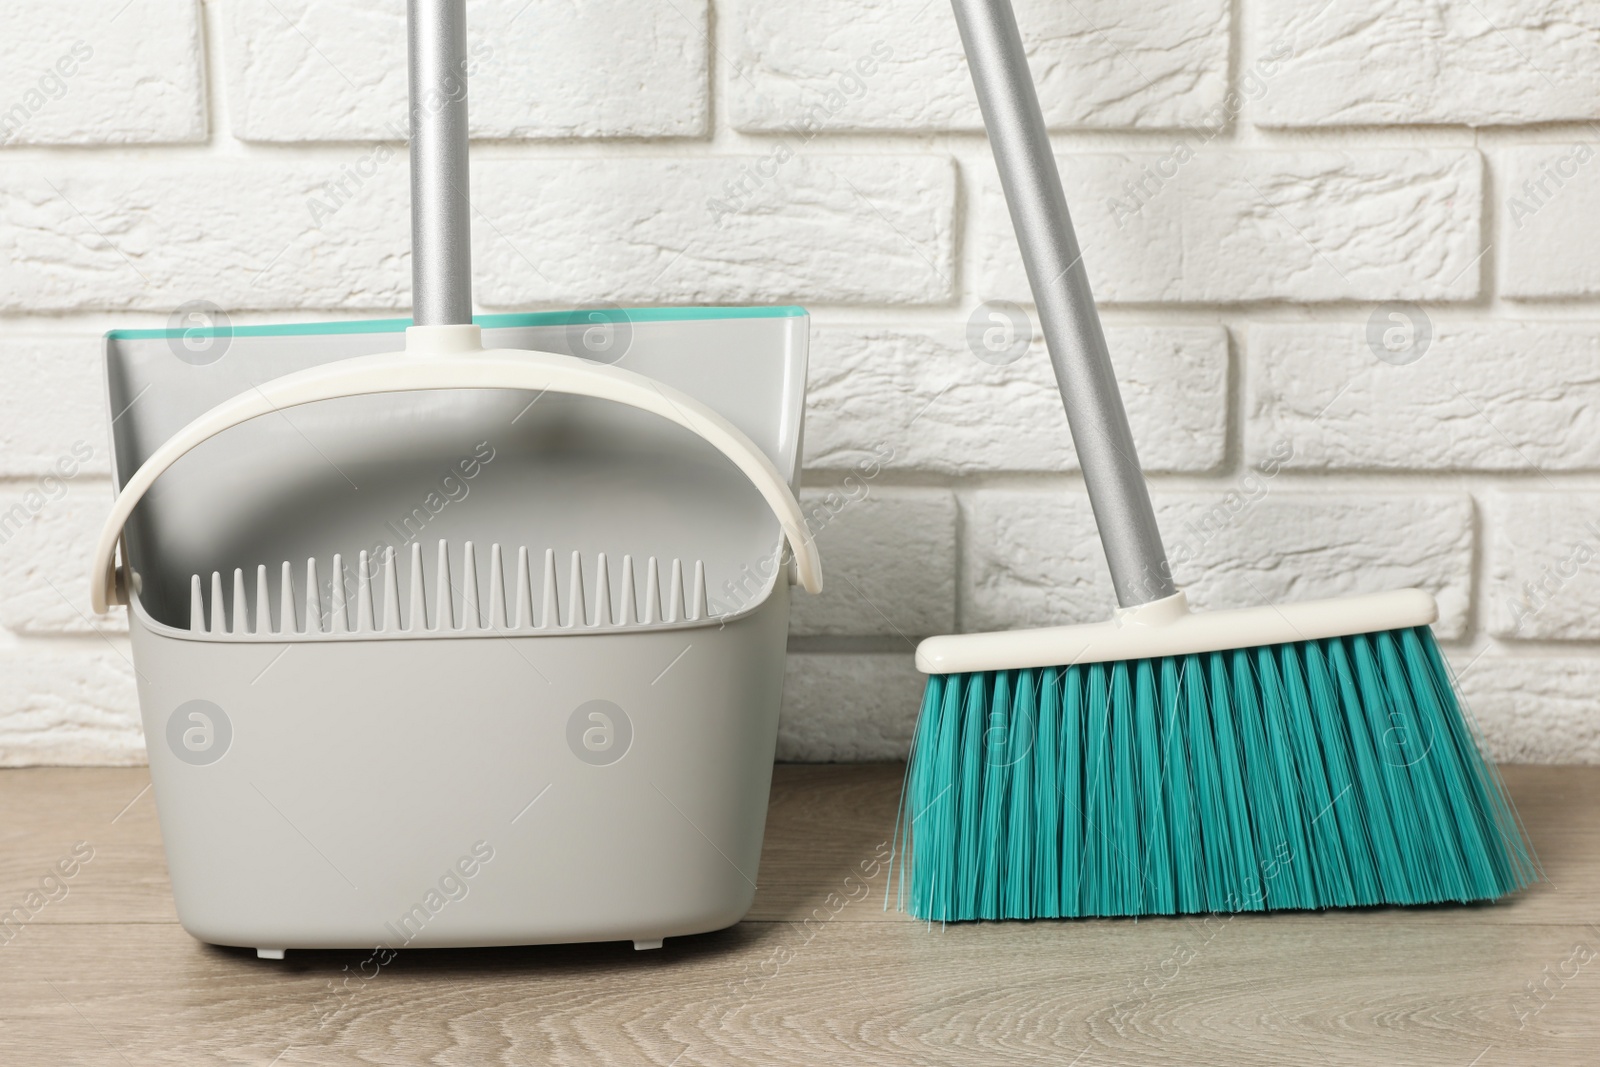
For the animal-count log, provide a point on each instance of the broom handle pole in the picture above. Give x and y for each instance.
(1067, 314)
(441, 221)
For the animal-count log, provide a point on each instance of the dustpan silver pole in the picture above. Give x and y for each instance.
(441, 221)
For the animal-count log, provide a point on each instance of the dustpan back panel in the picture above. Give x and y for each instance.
(368, 473)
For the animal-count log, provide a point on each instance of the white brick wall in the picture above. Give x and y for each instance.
(921, 391)
(1472, 62)
(1545, 567)
(1487, 395)
(1033, 559)
(333, 70)
(68, 703)
(49, 530)
(716, 229)
(1549, 212)
(1199, 222)
(896, 65)
(77, 235)
(53, 399)
(891, 562)
(83, 72)
(1350, 256)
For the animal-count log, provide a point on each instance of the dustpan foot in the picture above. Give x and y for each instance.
(269, 953)
(647, 943)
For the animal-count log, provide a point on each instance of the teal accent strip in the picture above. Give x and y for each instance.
(288, 329)
(488, 322)
(581, 315)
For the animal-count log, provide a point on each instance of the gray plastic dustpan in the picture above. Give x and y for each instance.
(446, 643)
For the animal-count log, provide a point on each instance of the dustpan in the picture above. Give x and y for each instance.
(453, 632)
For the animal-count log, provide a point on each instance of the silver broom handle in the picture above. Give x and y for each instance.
(441, 220)
(1067, 314)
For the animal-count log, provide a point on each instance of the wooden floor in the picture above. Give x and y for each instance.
(104, 975)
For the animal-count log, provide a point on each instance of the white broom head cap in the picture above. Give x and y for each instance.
(1166, 627)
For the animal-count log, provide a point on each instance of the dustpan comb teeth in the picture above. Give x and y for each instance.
(378, 594)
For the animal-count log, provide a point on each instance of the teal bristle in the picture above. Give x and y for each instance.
(1045, 895)
(1021, 810)
(1182, 809)
(1072, 785)
(992, 860)
(1333, 773)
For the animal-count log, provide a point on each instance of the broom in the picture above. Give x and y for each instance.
(1306, 756)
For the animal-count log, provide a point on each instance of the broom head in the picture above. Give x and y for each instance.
(1307, 756)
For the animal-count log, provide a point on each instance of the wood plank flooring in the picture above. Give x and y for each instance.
(104, 975)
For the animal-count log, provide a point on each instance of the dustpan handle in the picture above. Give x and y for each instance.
(441, 220)
(469, 367)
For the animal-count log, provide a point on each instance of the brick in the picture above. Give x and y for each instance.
(1214, 225)
(334, 70)
(848, 230)
(47, 535)
(1534, 709)
(1549, 219)
(1034, 559)
(68, 702)
(53, 410)
(245, 235)
(848, 707)
(80, 72)
(1318, 394)
(844, 65)
(889, 557)
(250, 235)
(924, 396)
(1544, 565)
(1479, 62)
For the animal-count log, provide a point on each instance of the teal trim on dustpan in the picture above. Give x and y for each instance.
(488, 322)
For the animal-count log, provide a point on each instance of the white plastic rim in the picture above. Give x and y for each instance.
(453, 357)
(1166, 628)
